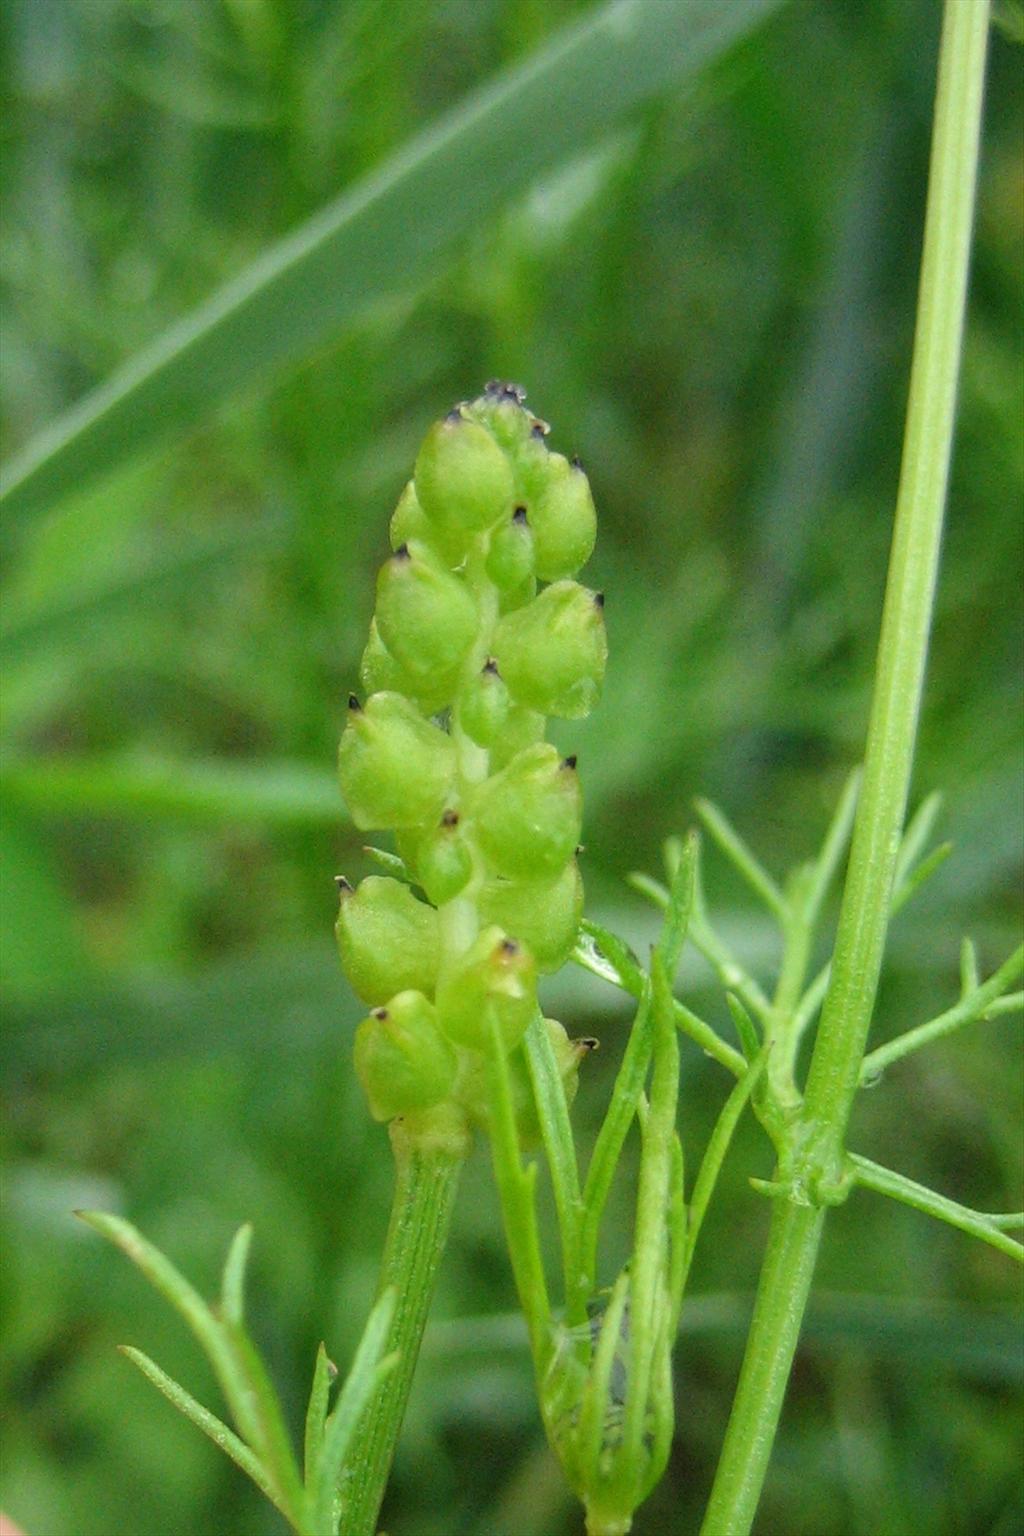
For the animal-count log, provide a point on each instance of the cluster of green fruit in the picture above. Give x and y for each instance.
(467, 656)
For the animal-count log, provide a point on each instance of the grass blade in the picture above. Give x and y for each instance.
(384, 234)
(316, 1416)
(284, 794)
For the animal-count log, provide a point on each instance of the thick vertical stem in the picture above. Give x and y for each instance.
(427, 1167)
(814, 1157)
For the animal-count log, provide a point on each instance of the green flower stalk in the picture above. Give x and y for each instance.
(468, 654)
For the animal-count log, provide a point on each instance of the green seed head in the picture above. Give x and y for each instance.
(403, 1061)
(463, 479)
(527, 817)
(563, 520)
(426, 615)
(493, 983)
(396, 769)
(552, 653)
(543, 914)
(388, 940)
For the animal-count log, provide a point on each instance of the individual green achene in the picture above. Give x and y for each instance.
(467, 655)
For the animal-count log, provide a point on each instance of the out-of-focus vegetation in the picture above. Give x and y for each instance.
(712, 299)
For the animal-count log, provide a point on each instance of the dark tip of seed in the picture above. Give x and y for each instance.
(455, 416)
(576, 461)
(539, 428)
(519, 516)
(490, 665)
(569, 762)
(450, 819)
(509, 947)
(344, 888)
(402, 553)
(580, 848)
(380, 1013)
(598, 599)
(354, 704)
(505, 390)
(588, 1043)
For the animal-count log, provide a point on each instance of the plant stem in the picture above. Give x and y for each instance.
(814, 1157)
(427, 1167)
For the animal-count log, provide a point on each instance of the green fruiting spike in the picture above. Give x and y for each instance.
(402, 1059)
(380, 672)
(426, 615)
(492, 982)
(387, 939)
(545, 915)
(552, 653)
(522, 728)
(463, 479)
(527, 817)
(484, 705)
(563, 520)
(396, 769)
(444, 862)
(510, 558)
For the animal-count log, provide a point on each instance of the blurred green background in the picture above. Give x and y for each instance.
(711, 298)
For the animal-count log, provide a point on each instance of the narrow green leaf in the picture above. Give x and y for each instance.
(556, 1132)
(208, 1422)
(680, 906)
(745, 1027)
(163, 1276)
(743, 859)
(969, 977)
(517, 1192)
(368, 1369)
(384, 234)
(256, 1407)
(629, 1082)
(283, 794)
(232, 1291)
(918, 875)
(884, 1181)
(238, 1374)
(597, 1403)
(629, 973)
(983, 1003)
(711, 1163)
(316, 1415)
(915, 835)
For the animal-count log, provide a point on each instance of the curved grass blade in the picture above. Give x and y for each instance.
(383, 235)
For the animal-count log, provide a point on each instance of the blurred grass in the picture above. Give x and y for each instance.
(712, 299)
